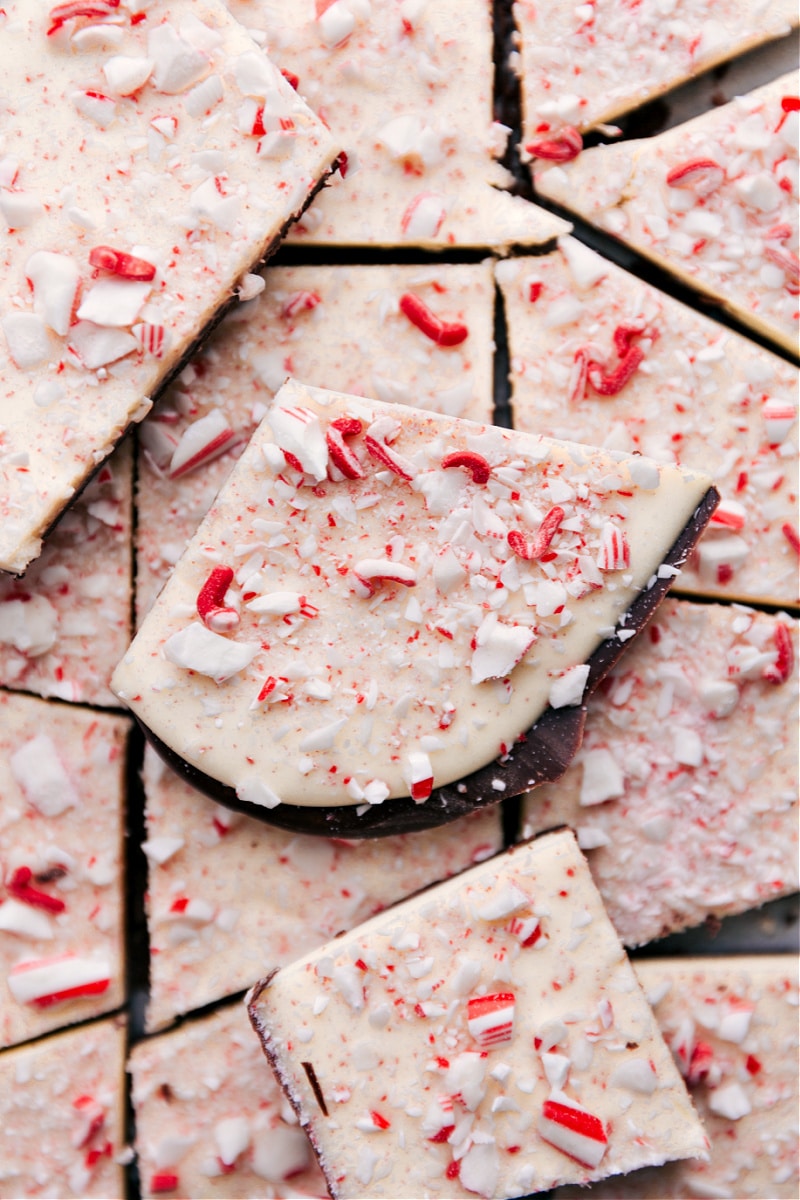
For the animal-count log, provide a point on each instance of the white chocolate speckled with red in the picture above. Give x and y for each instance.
(345, 625)
(714, 201)
(584, 64)
(81, 582)
(336, 327)
(422, 153)
(62, 1115)
(487, 1038)
(62, 954)
(732, 1026)
(684, 793)
(211, 1121)
(685, 389)
(226, 893)
(150, 156)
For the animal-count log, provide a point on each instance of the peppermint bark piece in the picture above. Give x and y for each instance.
(487, 1037)
(61, 890)
(156, 158)
(211, 1119)
(598, 354)
(338, 327)
(581, 66)
(713, 201)
(344, 627)
(408, 90)
(225, 891)
(62, 1114)
(732, 1026)
(684, 792)
(65, 623)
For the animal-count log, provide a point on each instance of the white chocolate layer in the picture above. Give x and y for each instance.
(684, 792)
(133, 135)
(65, 623)
(62, 1115)
(226, 892)
(211, 1119)
(726, 223)
(441, 1042)
(732, 1023)
(582, 65)
(407, 89)
(62, 774)
(378, 620)
(701, 395)
(331, 327)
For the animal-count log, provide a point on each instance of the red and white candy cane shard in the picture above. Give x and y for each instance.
(372, 571)
(700, 175)
(527, 930)
(444, 333)
(786, 260)
(729, 515)
(418, 774)
(201, 443)
(342, 457)
(563, 146)
(379, 450)
(476, 464)
(79, 11)
(530, 551)
(20, 887)
(615, 554)
(780, 670)
(300, 302)
(128, 266)
(490, 1019)
(700, 1063)
(576, 1132)
(373, 1122)
(423, 216)
(152, 338)
(211, 607)
(48, 981)
(612, 382)
(624, 335)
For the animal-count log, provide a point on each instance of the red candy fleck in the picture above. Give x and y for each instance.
(564, 146)
(290, 77)
(442, 1134)
(613, 382)
(105, 258)
(444, 333)
(584, 1123)
(73, 12)
(752, 1064)
(791, 535)
(95, 988)
(19, 886)
(300, 301)
(790, 103)
(452, 1170)
(700, 1063)
(544, 536)
(476, 464)
(386, 457)
(702, 175)
(780, 670)
(163, 1181)
(379, 1120)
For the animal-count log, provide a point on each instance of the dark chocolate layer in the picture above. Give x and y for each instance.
(539, 756)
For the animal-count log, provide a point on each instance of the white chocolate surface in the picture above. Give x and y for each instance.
(256, 894)
(731, 231)
(702, 395)
(387, 1019)
(744, 1011)
(61, 817)
(210, 1113)
(422, 150)
(684, 793)
(62, 1115)
(132, 130)
(367, 668)
(331, 327)
(583, 65)
(65, 623)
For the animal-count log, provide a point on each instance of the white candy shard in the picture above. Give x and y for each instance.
(499, 648)
(298, 431)
(38, 770)
(55, 279)
(196, 648)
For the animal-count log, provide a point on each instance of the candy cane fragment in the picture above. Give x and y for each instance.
(490, 1019)
(530, 551)
(562, 147)
(574, 1131)
(212, 610)
(444, 333)
(701, 175)
(128, 266)
(476, 464)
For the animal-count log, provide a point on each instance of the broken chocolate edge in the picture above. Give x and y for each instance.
(540, 756)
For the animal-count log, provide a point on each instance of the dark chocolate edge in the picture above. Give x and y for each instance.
(540, 756)
(252, 1000)
(259, 263)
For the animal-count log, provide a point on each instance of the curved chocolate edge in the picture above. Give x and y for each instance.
(259, 263)
(542, 755)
